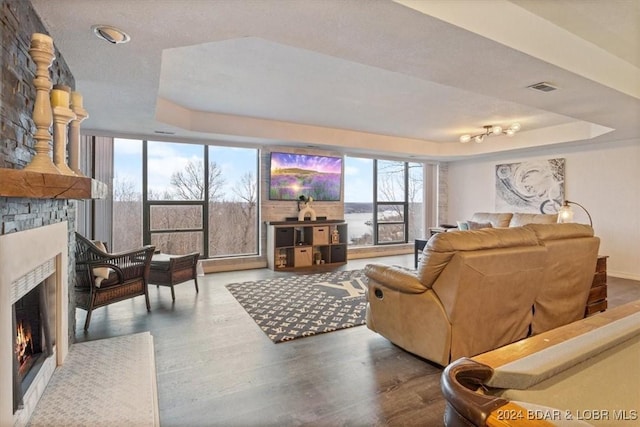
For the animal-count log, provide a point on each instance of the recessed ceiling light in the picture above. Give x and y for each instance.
(111, 34)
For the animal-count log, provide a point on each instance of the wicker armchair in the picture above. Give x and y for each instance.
(103, 278)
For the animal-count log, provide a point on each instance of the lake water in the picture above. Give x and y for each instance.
(357, 224)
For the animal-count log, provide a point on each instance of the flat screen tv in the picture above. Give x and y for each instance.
(294, 175)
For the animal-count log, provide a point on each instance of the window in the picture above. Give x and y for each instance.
(358, 200)
(391, 202)
(233, 201)
(393, 190)
(175, 205)
(165, 196)
(127, 194)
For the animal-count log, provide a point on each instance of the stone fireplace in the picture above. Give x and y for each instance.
(27, 259)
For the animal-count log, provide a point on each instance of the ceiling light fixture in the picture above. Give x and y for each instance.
(111, 34)
(491, 130)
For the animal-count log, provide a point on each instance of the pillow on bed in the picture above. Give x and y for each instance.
(478, 225)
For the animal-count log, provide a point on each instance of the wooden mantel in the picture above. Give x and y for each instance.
(37, 185)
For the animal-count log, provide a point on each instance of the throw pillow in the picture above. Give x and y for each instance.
(463, 225)
(478, 225)
(100, 273)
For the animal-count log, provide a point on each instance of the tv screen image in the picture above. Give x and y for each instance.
(294, 175)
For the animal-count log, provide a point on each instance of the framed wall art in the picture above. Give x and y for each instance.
(535, 186)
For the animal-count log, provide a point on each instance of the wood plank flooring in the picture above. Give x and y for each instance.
(216, 368)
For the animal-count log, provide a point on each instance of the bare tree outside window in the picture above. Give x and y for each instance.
(127, 195)
(188, 184)
(127, 215)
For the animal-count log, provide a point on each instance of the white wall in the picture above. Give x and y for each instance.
(604, 178)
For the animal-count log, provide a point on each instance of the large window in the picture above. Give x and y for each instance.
(358, 200)
(127, 194)
(233, 201)
(164, 195)
(391, 202)
(383, 201)
(174, 203)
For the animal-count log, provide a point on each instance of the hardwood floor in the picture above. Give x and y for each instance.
(215, 367)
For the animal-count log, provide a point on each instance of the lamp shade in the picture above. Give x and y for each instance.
(565, 213)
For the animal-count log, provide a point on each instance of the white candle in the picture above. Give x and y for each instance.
(41, 39)
(59, 98)
(76, 100)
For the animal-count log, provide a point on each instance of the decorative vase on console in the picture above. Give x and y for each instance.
(307, 209)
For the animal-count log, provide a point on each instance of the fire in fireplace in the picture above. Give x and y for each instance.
(28, 343)
(32, 339)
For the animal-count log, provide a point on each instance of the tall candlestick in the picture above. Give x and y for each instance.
(42, 53)
(74, 132)
(62, 115)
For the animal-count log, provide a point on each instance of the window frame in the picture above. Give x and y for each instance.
(377, 203)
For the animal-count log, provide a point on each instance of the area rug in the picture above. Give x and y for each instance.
(104, 383)
(297, 306)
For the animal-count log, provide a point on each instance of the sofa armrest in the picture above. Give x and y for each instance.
(395, 278)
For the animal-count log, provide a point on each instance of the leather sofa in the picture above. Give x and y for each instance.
(474, 291)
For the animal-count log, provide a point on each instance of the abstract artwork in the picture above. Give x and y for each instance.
(535, 186)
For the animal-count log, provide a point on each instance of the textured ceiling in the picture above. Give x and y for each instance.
(402, 78)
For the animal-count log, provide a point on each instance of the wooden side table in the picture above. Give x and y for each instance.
(597, 300)
(436, 230)
(170, 270)
(418, 246)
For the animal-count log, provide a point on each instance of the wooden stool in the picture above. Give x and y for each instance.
(170, 270)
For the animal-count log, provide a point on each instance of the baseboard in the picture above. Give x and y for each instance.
(623, 275)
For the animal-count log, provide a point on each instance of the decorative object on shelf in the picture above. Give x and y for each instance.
(282, 259)
(307, 209)
(62, 115)
(565, 214)
(42, 53)
(74, 132)
(491, 130)
(335, 236)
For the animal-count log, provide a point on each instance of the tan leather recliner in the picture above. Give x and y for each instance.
(473, 291)
(572, 254)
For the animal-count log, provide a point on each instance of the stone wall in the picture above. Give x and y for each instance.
(18, 21)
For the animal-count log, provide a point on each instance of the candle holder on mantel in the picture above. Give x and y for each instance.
(62, 115)
(42, 53)
(74, 132)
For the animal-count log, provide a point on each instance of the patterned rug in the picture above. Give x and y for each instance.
(294, 306)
